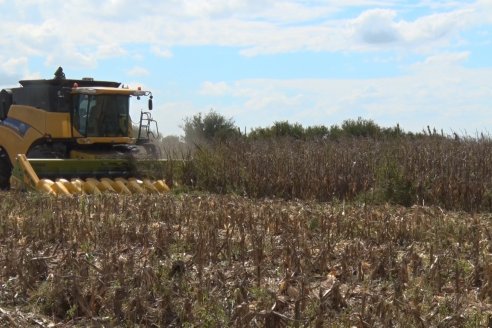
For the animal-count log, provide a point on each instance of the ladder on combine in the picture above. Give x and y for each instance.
(145, 128)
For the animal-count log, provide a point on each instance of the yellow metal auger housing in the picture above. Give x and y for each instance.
(24, 177)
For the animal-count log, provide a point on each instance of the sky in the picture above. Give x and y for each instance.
(416, 63)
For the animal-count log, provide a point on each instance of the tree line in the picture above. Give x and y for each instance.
(212, 126)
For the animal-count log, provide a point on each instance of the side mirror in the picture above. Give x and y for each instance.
(150, 103)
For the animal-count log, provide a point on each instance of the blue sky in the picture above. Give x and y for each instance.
(416, 63)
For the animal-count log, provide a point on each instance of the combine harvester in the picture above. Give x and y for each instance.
(65, 137)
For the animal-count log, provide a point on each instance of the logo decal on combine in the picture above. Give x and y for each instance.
(16, 125)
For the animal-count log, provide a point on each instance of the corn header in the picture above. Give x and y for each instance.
(65, 137)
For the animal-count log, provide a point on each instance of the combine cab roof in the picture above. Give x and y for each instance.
(69, 83)
(60, 81)
(45, 94)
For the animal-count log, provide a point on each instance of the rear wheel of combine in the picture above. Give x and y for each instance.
(5, 171)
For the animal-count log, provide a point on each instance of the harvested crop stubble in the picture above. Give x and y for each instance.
(211, 260)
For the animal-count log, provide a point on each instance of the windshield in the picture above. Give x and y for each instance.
(101, 115)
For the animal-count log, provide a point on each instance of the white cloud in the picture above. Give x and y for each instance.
(138, 71)
(110, 50)
(214, 89)
(377, 26)
(447, 59)
(70, 56)
(257, 27)
(446, 96)
(437, 26)
(484, 10)
(12, 70)
(381, 29)
(275, 100)
(214, 7)
(13, 65)
(164, 53)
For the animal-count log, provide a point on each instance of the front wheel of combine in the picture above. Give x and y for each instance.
(5, 171)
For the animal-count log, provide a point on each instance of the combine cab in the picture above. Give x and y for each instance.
(64, 136)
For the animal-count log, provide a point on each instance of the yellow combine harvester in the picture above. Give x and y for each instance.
(65, 136)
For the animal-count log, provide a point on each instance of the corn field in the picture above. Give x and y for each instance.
(211, 260)
(430, 170)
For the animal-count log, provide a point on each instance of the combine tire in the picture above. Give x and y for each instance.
(5, 171)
